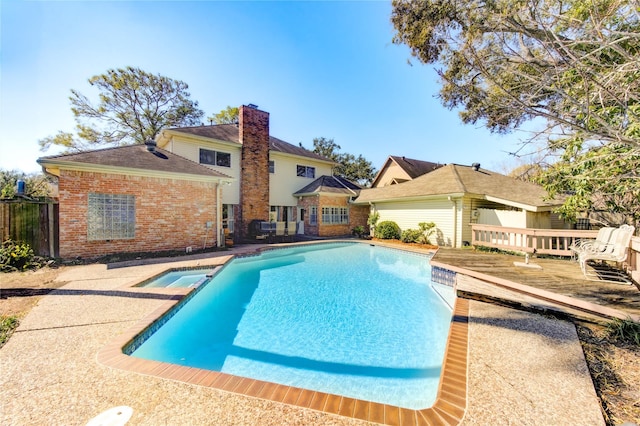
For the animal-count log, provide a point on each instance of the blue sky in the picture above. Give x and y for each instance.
(321, 69)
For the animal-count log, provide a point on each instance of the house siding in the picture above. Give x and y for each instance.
(190, 149)
(409, 214)
(170, 214)
(285, 181)
(392, 171)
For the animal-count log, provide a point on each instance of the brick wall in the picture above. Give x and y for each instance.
(254, 179)
(170, 214)
(357, 216)
(306, 204)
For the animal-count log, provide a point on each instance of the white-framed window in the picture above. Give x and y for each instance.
(215, 158)
(111, 217)
(272, 166)
(313, 215)
(335, 215)
(306, 171)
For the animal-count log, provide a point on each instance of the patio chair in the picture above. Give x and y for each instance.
(615, 251)
(291, 230)
(280, 230)
(604, 236)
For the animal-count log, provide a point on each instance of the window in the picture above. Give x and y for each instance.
(313, 215)
(335, 215)
(227, 217)
(111, 217)
(215, 158)
(272, 166)
(306, 171)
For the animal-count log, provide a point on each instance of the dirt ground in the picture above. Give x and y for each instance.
(614, 366)
(20, 291)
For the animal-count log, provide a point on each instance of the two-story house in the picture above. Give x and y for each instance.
(191, 185)
(273, 180)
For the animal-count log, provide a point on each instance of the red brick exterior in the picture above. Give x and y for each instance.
(170, 214)
(357, 215)
(254, 178)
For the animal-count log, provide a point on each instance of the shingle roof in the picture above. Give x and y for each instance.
(332, 184)
(134, 157)
(415, 168)
(231, 133)
(411, 166)
(457, 179)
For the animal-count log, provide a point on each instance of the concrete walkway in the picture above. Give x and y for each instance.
(524, 369)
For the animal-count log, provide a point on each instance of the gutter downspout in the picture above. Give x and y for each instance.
(219, 230)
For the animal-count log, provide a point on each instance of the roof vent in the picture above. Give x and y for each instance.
(254, 106)
(151, 145)
(475, 166)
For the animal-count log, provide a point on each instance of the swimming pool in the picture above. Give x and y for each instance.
(347, 319)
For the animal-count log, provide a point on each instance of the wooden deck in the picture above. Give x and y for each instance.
(559, 276)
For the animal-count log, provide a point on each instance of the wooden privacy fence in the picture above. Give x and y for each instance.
(31, 222)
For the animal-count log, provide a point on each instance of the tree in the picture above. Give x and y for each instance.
(570, 64)
(356, 169)
(226, 116)
(133, 107)
(601, 179)
(36, 184)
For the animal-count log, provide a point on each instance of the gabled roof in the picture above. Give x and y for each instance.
(231, 133)
(457, 180)
(411, 167)
(129, 157)
(330, 184)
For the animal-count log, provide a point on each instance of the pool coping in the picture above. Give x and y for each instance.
(448, 409)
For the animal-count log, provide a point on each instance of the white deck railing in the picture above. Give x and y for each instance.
(543, 241)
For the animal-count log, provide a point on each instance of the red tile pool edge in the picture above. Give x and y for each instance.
(448, 408)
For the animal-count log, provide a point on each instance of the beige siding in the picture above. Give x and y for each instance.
(465, 209)
(390, 173)
(408, 214)
(508, 218)
(285, 180)
(539, 220)
(190, 149)
(282, 183)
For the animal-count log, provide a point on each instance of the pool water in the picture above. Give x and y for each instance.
(348, 319)
(180, 278)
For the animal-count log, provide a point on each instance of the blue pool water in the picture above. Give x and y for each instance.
(180, 278)
(348, 319)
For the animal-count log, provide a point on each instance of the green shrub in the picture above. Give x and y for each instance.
(15, 256)
(7, 325)
(420, 236)
(426, 231)
(358, 231)
(388, 230)
(410, 235)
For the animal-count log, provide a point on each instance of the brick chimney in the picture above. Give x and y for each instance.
(254, 179)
